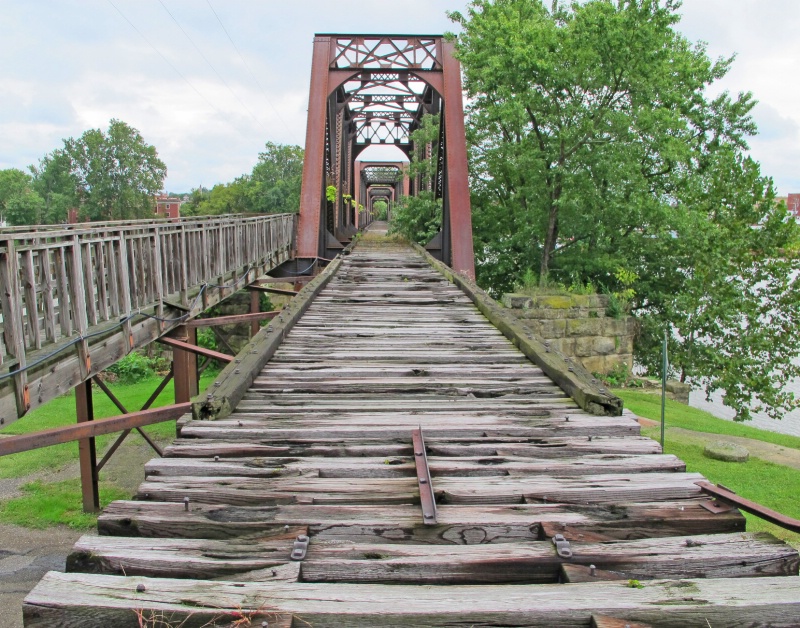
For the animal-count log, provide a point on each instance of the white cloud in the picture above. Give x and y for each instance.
(68, 65)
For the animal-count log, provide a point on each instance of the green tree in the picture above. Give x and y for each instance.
(274, 185)
(595, 147)
(13, 182)
(419, 217)
(115, 174)
(381, 210)
(55, 184)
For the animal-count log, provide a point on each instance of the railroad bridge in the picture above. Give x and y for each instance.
(393, 449)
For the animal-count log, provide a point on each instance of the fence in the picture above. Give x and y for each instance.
(74, 300)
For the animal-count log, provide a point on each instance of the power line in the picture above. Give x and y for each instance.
(169, 63)
(219, 76)
(236, 48)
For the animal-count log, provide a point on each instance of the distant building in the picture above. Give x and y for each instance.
(168, 206)
(793, 204)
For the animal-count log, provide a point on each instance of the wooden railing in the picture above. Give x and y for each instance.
(74, 300)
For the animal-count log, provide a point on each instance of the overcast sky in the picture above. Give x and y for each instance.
(209, 106)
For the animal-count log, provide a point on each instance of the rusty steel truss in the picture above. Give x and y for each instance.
(375, 89)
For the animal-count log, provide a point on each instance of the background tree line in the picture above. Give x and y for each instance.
(116, 174)
(599, 155)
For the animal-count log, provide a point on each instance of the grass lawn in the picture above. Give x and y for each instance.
(773, 485)
(51, 503)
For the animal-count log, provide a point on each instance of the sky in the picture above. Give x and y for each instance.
(209, 82)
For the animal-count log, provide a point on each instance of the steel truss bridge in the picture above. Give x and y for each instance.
(391, 428)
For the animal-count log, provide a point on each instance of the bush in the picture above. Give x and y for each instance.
(417, 218)
(133, 368)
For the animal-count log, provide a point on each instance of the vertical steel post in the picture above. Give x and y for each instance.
(86, 449)
(308, 230)
(462, 256)
(184, 365)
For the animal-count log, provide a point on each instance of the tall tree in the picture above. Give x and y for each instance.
(19, 202)
(274, 185)
(116, 174)
(597, 152)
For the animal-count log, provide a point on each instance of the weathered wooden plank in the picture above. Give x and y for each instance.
(393, 466)
(545, 448)
(31, 302)
(702, 556)
(459, 524)
(712, 556)
(245, 427)
(98, 600)
(179, 558)
(585, 489)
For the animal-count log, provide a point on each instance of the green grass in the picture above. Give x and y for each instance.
(678, 415)
(773, 485)
(58, 503)
(61, 411)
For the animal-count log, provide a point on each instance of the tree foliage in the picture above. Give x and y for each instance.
(419, 217)
(595, 148)
(115, 174)
(272, 187)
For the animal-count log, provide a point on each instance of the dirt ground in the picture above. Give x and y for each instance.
(26, 554)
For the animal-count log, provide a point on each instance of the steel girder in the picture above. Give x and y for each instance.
(375, 89)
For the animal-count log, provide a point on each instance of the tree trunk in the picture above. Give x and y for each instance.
(549, 243)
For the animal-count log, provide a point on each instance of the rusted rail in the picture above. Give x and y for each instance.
(75, 300)
(732, 500)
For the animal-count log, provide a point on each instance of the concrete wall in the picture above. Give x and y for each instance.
(577, 326)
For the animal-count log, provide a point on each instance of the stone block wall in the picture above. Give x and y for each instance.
(577, 326)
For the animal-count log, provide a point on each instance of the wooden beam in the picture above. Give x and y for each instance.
(235, 379)
(99, 600)
(571, 377)
(69, 433)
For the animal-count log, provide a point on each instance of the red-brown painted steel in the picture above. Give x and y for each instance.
(370, 89)
(308, 230)
(90, 429)
(462, 256)
(87, 454)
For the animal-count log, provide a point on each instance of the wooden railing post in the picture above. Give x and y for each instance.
(13, 331)
(78, 299)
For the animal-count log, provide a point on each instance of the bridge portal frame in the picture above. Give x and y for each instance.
(336, 133)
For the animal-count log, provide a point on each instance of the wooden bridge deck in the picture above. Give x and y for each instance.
(321, 445)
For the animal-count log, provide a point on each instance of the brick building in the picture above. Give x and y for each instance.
(168, 206)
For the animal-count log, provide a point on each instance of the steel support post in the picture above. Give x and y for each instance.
(86, 449)
(308, 230)
(462, 256)
(184, 365)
